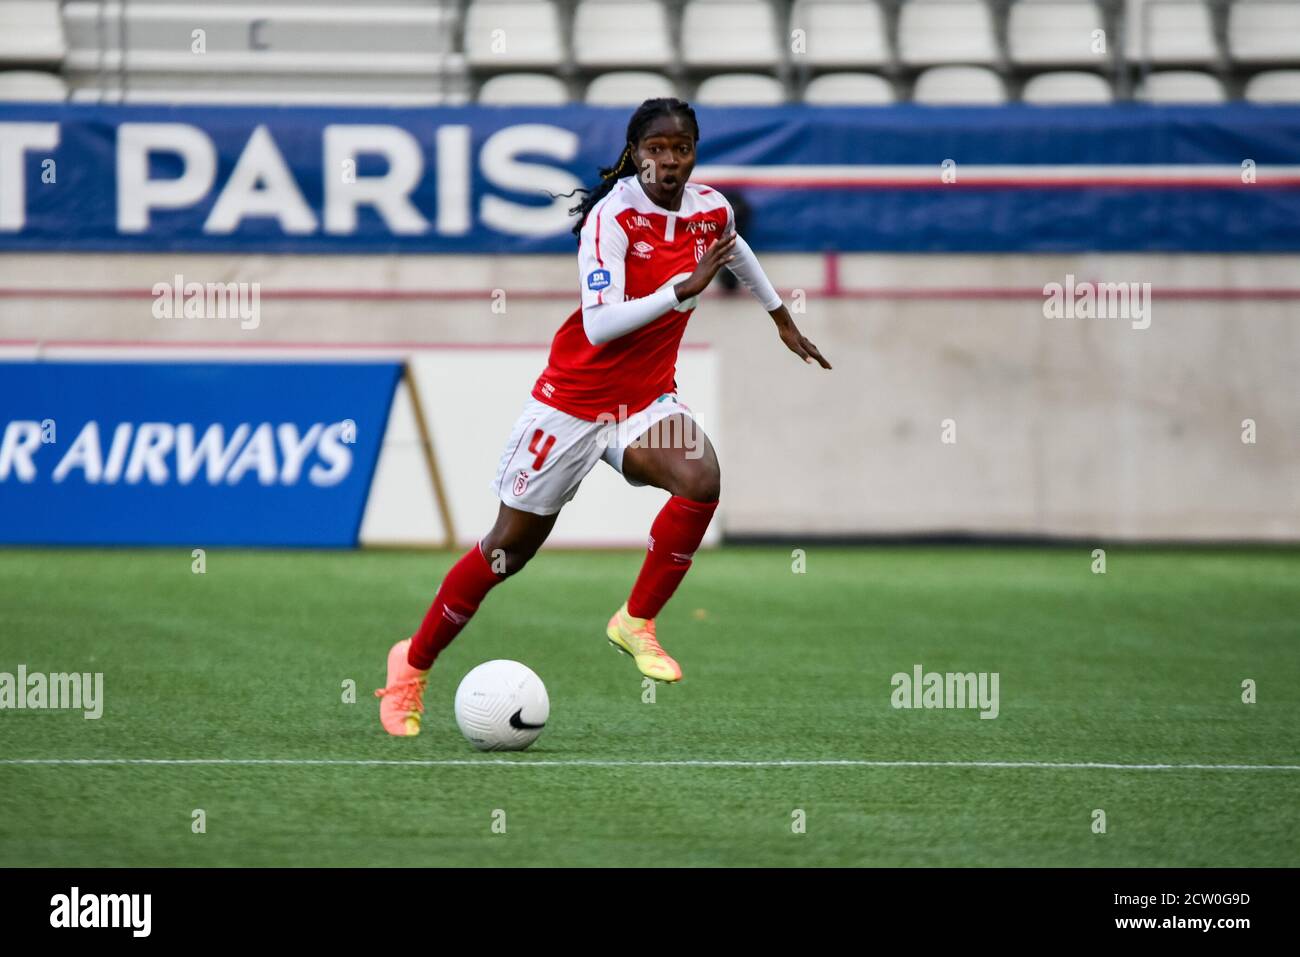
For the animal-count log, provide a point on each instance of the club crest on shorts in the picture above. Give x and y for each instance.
(521, 482)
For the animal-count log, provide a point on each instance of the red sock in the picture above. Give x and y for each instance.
(458, 598)
(676, 533)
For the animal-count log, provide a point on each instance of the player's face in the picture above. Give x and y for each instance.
(665, 157)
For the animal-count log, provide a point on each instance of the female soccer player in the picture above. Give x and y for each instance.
(649, 243)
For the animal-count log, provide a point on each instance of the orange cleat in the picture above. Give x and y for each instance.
(402, 702)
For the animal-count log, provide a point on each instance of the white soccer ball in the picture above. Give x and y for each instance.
(502, 706)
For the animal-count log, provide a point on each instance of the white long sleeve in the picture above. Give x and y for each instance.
(744, 266)
(603, 323)
(602, 252)
(602, 262)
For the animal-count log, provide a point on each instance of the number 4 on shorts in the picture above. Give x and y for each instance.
(540, 446)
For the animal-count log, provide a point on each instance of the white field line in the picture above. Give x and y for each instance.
(578, 763)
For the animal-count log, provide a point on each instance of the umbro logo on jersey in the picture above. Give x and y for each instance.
(642, 249)
(597, 279)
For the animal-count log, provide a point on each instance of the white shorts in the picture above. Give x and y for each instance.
(550, 452)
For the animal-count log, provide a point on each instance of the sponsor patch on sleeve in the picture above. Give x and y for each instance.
(597, 279)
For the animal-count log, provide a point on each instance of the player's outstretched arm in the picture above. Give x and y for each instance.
(794, 340)
(744, 264)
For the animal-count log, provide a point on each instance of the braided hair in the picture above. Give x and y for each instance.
(626, 164)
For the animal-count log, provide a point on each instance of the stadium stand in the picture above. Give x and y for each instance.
(628, 88)
(31, 86)
(849, 89)
(1274, 86)
(513, 33)
(960, 85)
(428, 52)
(740, 89)
(1066, 87)
(1181, 86)
(1171, 32)
(601, 37)
(1055, 33)
(214, 52)
(838, 34)
(1264, 31)
(530, 89)
(946, 32)
(31, 33)
(726, 34)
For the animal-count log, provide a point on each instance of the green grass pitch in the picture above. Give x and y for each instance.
(1142, 665)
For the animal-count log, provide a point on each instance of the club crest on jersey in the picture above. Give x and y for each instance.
(642, 249)
(521, 482)
(597, 279)
(699, 249)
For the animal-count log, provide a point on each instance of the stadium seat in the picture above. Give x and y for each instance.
(1067, 88)
(31, 32)
(162, 35)
(628, 88)
(1057, 33)
(840, 33)
(945, 31)
(729, 33)
(1274, 86)
(530, 89)
(327, 53)
(1170, 31)
(183, 91)
(32, 86)
(290, 88)
(740, 89)
(1264, 32)
(513, 33)
(849, 89)
(959, 86)
(1181, 86)
(602, 38)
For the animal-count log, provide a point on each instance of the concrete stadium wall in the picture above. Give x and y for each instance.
(1083, 428)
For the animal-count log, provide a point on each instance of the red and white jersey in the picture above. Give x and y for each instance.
(630, 247)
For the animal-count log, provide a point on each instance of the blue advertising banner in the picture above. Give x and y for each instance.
(491, 179)
(193, 454)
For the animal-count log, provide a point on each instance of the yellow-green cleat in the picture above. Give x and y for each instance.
(636, 637)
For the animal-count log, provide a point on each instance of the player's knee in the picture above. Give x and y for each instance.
(507, 558)
(703, 484)
(517, 558)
